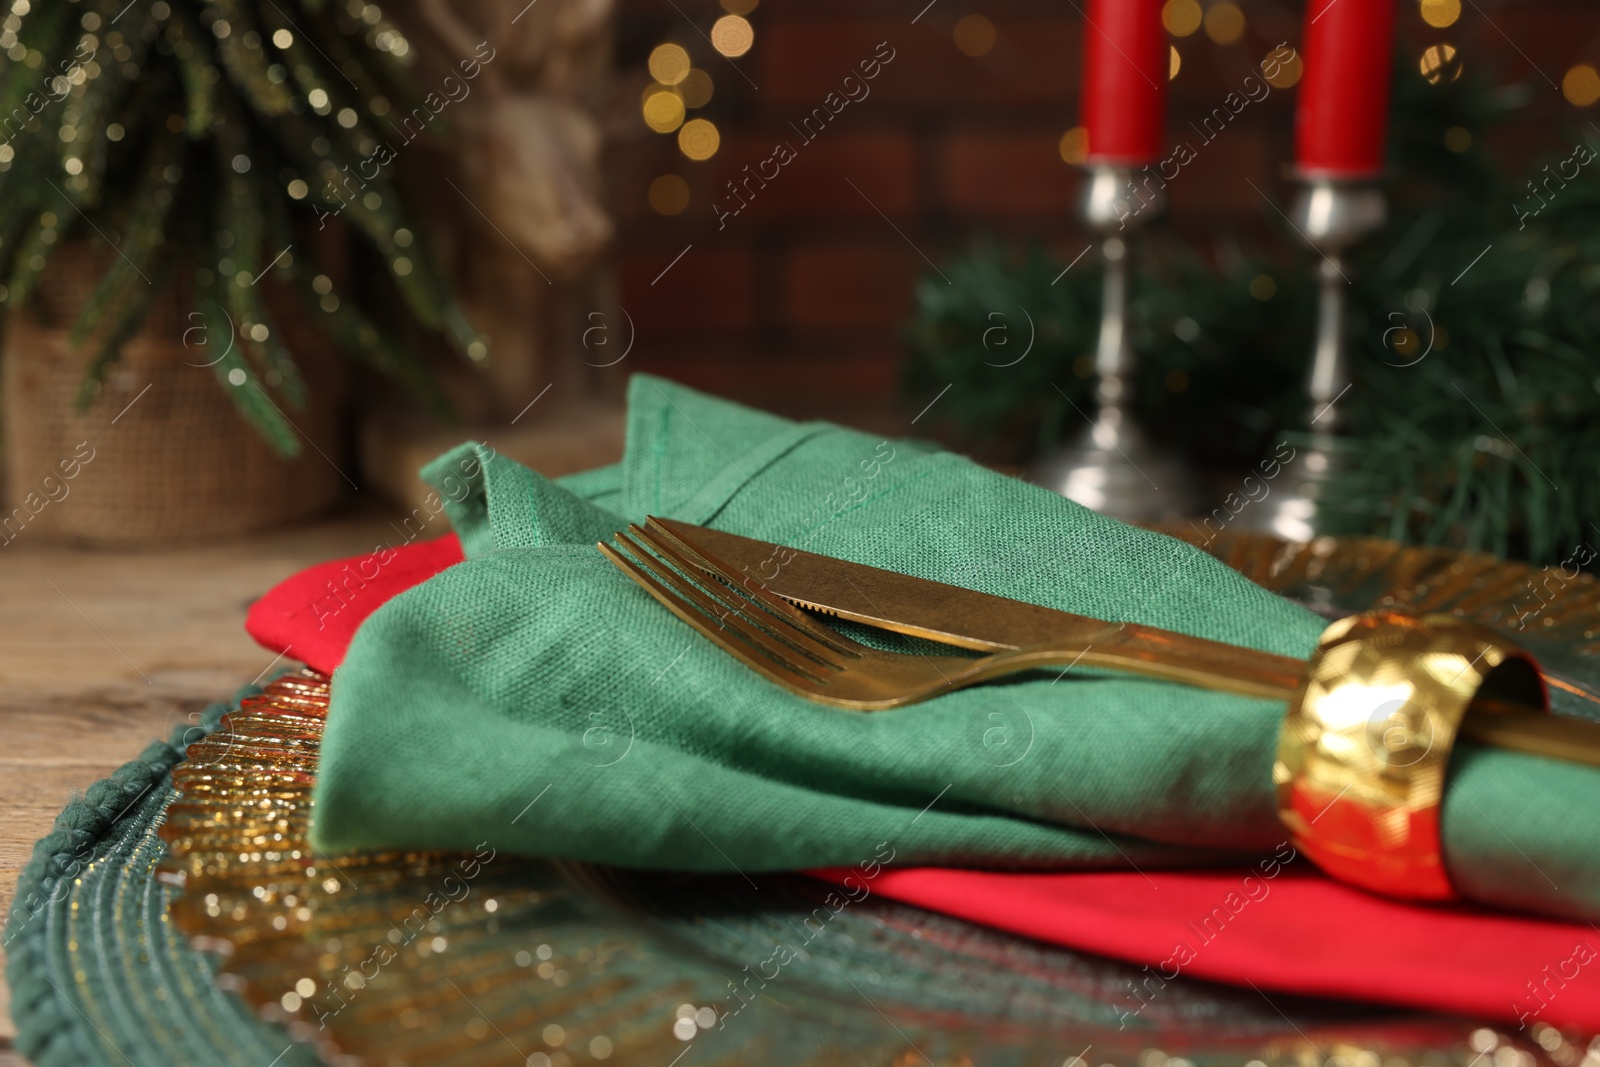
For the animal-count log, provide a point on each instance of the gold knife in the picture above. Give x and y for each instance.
(984, 622)
(1422, 680)
(966, 618)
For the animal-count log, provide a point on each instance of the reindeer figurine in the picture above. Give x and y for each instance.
(525, 147)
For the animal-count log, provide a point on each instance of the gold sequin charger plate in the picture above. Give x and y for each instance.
(432, 959)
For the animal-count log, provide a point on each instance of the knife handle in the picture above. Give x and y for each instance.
(1172, 657)
(1522, 725)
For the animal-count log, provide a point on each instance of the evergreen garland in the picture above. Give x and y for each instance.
(205, 136)
(1473, 413)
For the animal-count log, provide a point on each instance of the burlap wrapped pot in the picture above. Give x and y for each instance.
(161, 455)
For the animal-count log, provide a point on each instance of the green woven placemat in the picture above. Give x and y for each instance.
(98, 974)
(103, 977)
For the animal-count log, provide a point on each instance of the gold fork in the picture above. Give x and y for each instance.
(1422, 680)
(791, 648)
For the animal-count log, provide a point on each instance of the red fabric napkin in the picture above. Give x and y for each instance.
(313, 615)
(1279, 925)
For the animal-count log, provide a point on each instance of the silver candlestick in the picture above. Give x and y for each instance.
(1113, 466)
(1333, 216)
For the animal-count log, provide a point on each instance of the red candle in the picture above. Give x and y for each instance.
(1344, 93)
(1125, 66)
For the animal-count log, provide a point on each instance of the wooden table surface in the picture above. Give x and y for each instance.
(103, 652)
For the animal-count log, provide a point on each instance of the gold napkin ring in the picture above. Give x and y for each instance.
(1365, 747)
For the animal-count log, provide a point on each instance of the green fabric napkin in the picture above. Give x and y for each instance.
(534, 696)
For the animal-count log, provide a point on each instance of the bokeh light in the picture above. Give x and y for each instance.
(974, 34)
(1440, 13)
(1074, 146)
(1458, 138)
(669, 195)
(1224, 22)
(663, 111)
(732, 35)
(1262, 287)
(1581, 85)
(669, 63)
(695, 89)
(1440, 63)
(1405, 342)
(1175, 64)
(1285, 72)
(1181, 17)
(699, 139)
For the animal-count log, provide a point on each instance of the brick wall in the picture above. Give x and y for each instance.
(796, 303)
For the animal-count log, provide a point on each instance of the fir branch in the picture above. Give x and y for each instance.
(305, 67)
(246, 66)
(193, 51)
(250, 128)
(33, 255)
(239, 379)
(352, 331)
(20, 183)
(101, 93)
(43, 30)
(124, 325)
(372, 65)
(243, 218)
(358, 336)
(425, 293)
(142, 241)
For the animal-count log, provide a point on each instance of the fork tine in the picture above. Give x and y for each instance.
(717, 602)
(713, 619)
(782, 628)
(685, 554)
(722, 637)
